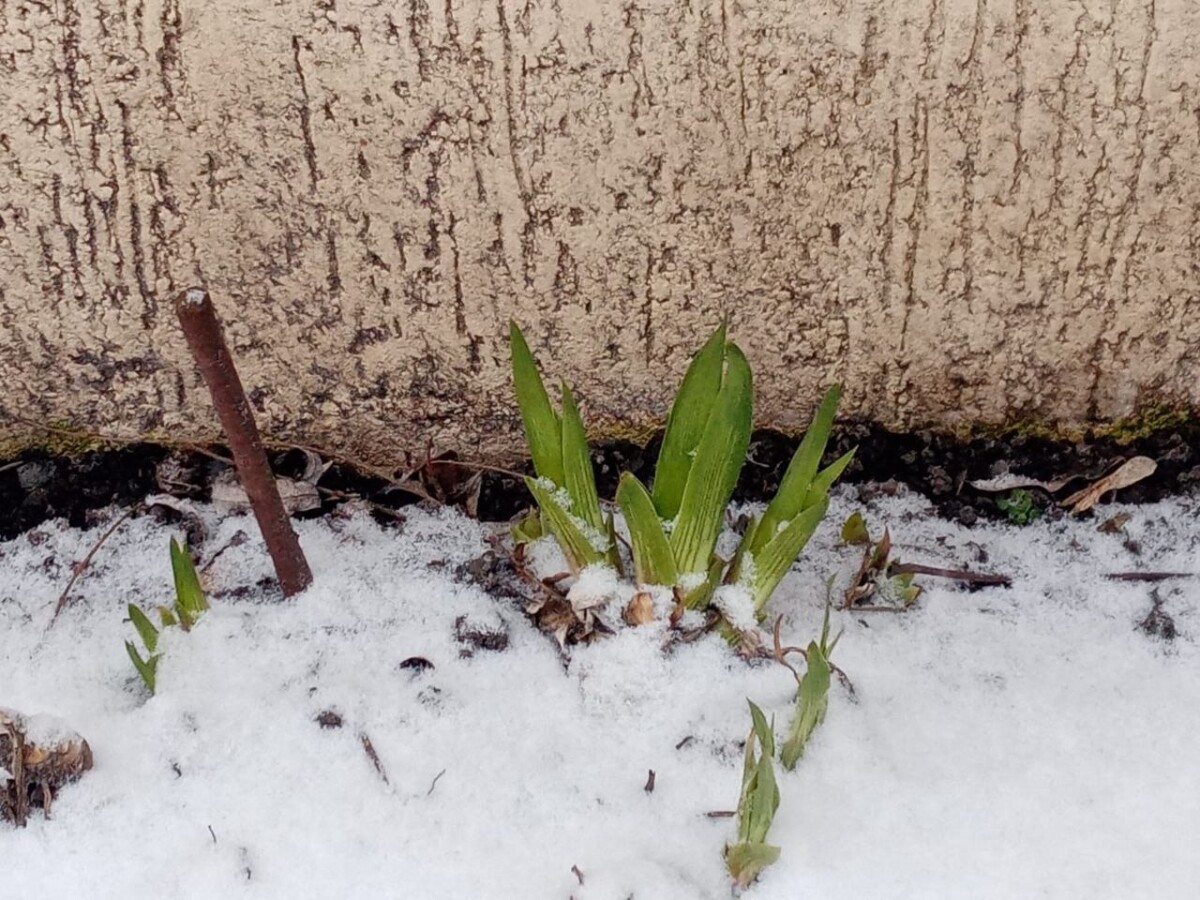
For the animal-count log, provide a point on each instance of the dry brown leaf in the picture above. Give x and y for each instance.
(640, 610)
(39, 756)
(1115, 525)
(1128, 473)
(297, 496)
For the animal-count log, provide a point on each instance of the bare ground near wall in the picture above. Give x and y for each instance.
(37, 486)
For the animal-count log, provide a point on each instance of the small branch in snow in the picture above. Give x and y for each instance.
(955, 574)
(374, 757)
(578, 873)
(436, 779)
(1147, 576)
(649, 787)
(78, 568)
(213, 833)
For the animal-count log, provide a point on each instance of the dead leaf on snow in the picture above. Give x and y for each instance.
(1011, 481)
(1128, 473)
(1115, 525)
(297, 496)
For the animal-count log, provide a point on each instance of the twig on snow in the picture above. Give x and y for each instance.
(78, 568)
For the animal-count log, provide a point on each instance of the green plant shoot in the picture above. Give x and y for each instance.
(776, 539)
(812, 697)
(190, 603)
(759, 800)
(565, 487)
(674, 528)
(189, 597)
(1020, 506)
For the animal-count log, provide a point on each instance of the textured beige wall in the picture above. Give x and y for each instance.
(970, 211)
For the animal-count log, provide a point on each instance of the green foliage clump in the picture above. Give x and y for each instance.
(1020, 506)
(675, 523)
(190, 602)
(759, 801)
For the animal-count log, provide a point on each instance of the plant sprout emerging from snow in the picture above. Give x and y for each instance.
(751, 853)
(703, 450)
(1020, 506)
(773, 540)
(704, 446)
(565, 487)
(190, 602)
(812, 696)
(674, 525)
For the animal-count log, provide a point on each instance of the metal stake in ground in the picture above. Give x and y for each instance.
(204, 337)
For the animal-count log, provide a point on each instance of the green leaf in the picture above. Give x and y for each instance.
(653, 562)
(686, 424)
(579, 550)
(762, 729)
(812, 701)
(760, 793)
(743, 559)
(715, 468)
(789, 500)
(613, 557)
(189, 596)
(527, 528)
(543, 429)
(145, 628)
(854, 530)
(168, 617)
(578, 477)
(774, 560)
(745, 861)
(700, 596)
(765, 801)
(826, 477)
(146, 668)
(904, 590)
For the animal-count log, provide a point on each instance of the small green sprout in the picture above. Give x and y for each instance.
(812, 696)
(190, 603)
(759, 800)
(1020, 506)
(854, 529)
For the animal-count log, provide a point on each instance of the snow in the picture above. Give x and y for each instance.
(737, 606)
(596, 586)
(1005, 743)
(46, 731)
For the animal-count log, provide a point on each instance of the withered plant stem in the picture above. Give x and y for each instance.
(207, 343)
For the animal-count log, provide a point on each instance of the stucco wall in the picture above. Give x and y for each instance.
(969, 211)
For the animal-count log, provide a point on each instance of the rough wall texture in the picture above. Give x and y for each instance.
(970, 211)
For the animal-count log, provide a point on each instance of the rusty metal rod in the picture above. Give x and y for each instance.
(207, 343)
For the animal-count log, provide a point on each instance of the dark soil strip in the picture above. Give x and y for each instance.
(38, 487)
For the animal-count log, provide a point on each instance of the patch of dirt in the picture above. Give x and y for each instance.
(34, 488)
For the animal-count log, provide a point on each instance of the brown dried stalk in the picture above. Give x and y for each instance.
(207, 343)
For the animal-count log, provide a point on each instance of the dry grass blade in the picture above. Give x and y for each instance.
(369, 748)
(1128, 473)
(80, 566)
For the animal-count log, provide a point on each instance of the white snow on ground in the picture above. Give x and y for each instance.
(1005, 743)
